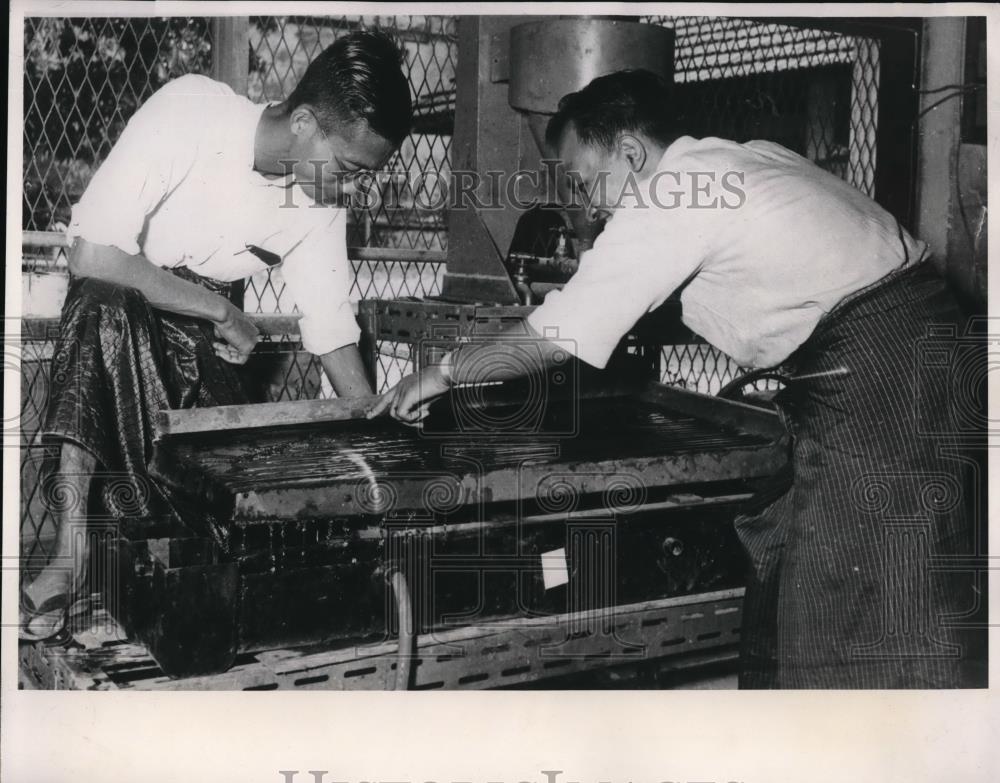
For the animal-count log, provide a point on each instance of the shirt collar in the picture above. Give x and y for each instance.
(255, 113)
(676, 148)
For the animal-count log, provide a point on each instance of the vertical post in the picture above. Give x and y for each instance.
(896, 147)
(231, 64)
(487, 138)
(231, 51)
(368, 345)
(939, 132)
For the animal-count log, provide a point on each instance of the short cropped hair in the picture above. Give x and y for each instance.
(633, 101)
(358, 77)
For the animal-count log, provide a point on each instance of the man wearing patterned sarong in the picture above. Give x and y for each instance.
(203, 188)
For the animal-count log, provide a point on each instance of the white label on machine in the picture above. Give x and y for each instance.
(554, 571)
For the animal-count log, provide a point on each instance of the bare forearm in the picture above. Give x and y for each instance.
(346, 372)
(512, 356)
(162, 290)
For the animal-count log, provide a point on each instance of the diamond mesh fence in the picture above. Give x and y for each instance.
(83, 79)
(281, 48)
(813, 91)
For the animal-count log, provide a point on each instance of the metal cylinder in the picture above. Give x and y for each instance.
(554, 57)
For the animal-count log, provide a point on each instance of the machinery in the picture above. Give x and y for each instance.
(323, 528)
(512, 73)
(572, 520)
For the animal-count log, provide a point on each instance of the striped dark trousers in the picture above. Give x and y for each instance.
(843, 590)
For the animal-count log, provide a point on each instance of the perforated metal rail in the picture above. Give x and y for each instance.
(671, 633)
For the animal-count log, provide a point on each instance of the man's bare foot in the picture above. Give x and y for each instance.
(45, 604)
(50, 581)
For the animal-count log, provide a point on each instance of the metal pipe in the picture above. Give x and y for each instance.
(405, 649)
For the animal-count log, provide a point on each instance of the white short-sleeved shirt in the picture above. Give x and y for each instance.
(763, 242)
(179, 188)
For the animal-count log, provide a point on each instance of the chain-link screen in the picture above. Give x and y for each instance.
(83, 79)
(812, 91)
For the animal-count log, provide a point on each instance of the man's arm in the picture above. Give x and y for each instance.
(346, 372)
(503, 360)
(642, 256)
(168, 292)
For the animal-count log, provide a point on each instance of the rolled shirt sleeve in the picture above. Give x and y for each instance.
(643, 255)
(318, 275)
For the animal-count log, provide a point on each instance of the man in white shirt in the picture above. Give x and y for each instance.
(777, 262)
(203, 188)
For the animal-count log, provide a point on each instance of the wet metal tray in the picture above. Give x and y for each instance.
(653, 437)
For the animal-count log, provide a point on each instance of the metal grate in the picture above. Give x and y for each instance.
(813, 91)
(405, 216)
(32, 354)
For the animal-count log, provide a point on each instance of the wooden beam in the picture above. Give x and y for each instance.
(267, 414)
(389, 254)
(939, 132)
(231, 51)
(275, 323)
(268, 323)
(43, 239)
(744, 418)
(396, 254)
(896, 131)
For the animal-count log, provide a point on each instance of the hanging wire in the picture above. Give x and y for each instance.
(961, 87)
(957, 94)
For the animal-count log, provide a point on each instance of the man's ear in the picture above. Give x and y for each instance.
(633, 150)
(303, 121)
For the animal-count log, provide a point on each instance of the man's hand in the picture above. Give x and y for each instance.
(410, 399)
(238, 336)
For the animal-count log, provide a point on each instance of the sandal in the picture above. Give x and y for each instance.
(46, 622)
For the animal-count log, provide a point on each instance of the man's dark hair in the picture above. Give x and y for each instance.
(632, 101)
(358, 77)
